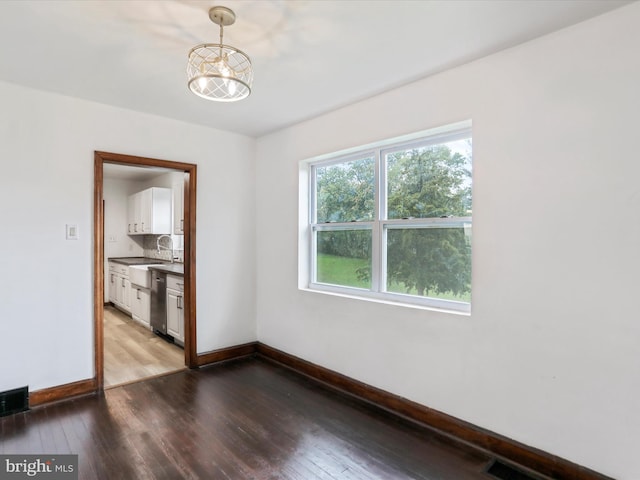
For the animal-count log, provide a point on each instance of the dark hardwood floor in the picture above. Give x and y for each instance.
(247, 419)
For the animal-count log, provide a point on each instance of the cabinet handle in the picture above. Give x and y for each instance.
(180, 303)
(137, 294)
(129, 229)
(182, 224)
(123, 282)
(135, 227)
(142, 227)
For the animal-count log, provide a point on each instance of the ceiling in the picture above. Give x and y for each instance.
(132, 173)
(310, 56)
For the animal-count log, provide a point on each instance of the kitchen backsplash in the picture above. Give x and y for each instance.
(151, 250)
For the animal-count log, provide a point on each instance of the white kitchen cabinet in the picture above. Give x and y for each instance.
(175, 308)
(124, 290)
(149, 212)
(140, 304)
(146, 210)
(132, 214)
(119, 286)
(113, 282)
(178, 207)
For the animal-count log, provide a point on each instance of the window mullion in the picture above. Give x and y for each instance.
(382, 234)
(381, 186)
(375, 257)
(313, 258)
(377, 247)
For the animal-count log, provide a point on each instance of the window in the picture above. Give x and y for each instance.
(393, 221)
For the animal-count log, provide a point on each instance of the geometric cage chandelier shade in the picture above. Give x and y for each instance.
(216, 71)
(219, 72)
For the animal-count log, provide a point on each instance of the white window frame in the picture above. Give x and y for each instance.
(380, 224)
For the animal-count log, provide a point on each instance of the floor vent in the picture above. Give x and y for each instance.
(500, 470)
(14, 401)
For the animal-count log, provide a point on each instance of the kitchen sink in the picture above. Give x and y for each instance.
(140, 275)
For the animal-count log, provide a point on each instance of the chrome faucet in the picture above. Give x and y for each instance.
(162, 246)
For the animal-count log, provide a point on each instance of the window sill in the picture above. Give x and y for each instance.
(464, 310)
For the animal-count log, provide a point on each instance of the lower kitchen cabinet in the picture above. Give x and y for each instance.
(175, 308)
(120, 286)
(124, 293)
(140, 304)
(113, 282)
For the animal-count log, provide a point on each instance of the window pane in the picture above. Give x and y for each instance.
(430, 262)
(344, 191)
(344, 258)
(431, 181)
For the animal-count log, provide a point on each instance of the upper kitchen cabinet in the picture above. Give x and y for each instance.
(149, 212)
(178, 207)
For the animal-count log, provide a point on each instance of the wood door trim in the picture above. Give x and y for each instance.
(189, 207)
(190, 343)
(98, 272)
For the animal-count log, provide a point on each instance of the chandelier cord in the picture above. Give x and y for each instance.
(221, 31)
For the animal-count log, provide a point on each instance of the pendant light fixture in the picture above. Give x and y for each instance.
(220, 72)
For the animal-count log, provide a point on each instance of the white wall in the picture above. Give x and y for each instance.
(46, 153)
(550, 353)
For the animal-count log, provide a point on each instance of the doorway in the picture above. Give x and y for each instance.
(132, 351)
(189, 251)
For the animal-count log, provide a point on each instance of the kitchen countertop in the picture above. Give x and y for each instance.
(137, 261)
(172, 268)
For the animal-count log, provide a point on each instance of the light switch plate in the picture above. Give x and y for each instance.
(72, 232)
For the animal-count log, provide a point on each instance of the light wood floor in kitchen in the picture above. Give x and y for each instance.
(132, 352)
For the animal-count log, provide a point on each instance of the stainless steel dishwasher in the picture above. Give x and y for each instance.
(158, 302)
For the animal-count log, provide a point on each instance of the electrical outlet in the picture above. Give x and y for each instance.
(113, 238)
